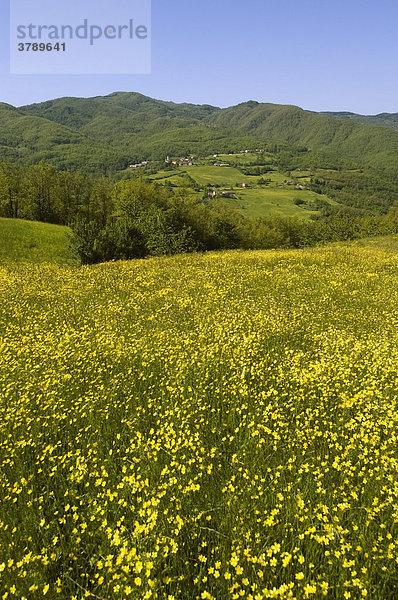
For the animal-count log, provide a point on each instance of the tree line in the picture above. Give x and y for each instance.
(134, 218)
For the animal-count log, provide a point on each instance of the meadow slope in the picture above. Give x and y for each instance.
(206, 426)
(34, 242)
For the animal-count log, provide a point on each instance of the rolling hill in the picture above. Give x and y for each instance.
(106, 133)
(365, 144)
(381, 120)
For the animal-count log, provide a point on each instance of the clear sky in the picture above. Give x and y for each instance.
(317, 54)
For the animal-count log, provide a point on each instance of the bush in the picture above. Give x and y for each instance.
(119, 240)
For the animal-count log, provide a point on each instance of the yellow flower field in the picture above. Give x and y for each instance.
(217, 426)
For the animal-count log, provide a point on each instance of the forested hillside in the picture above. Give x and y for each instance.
(104, 134)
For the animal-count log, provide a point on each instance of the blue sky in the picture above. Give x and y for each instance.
(318, 54)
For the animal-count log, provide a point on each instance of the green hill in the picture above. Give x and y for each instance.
(29, 138)
(364, 144)
(381, 120)
(106, 133)
(34, 242)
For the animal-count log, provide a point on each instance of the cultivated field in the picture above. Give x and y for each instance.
(275, 199)
(271, 202)
(208, 426)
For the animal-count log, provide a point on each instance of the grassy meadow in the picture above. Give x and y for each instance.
(34, 242)
(277, 198)
(216, 426)
(271, 202)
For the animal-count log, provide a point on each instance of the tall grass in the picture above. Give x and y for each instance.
(217, 426)
(34, 242)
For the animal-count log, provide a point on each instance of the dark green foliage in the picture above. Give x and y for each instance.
(165, 233)
(364, 189)
(83, 241)
(365, 144)
(119, 240)
(10, 190)
(381, 120)
(263, 181)
(38, 185)
(134, 218)
(103, 135)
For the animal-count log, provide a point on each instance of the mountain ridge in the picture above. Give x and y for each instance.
(108, 132)
(383, 119)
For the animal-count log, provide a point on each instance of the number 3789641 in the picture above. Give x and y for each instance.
(41, 47)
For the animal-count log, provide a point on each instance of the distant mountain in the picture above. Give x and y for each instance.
(381, 120)
(106, 133)
(30, 138)
(365, 144)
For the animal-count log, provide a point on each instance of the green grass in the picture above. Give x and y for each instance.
(227, 176)
(275, 199)
(272, 202)
(217, 176)
(385, 243)
(34, 242)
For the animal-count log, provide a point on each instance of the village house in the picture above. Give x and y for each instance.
(137, 165)
(186, 162)
(222, 193)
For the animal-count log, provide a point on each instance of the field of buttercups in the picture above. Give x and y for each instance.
(217, 426)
